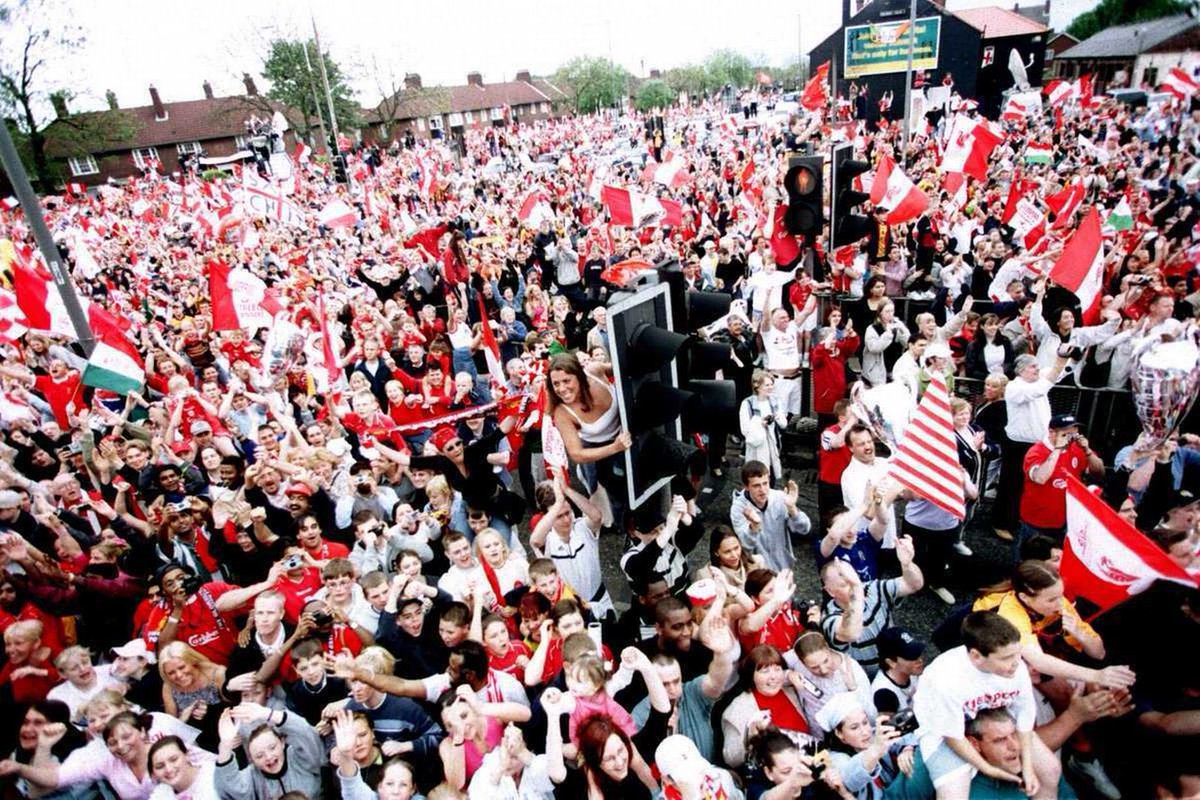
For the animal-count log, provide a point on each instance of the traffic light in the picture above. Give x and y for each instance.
(805, 212)
(712, 401)
(847, 227)
(339, 169)
(645, 354)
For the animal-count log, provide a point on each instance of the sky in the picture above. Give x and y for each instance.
(131, 44)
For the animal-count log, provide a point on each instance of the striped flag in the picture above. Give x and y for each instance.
(115, 363)
(1038, 153)
(926, 461)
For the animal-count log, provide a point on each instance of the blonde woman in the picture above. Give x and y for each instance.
(192, 689)
(445, 510)
(505, 569)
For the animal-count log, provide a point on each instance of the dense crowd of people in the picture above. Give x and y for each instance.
(342, 553)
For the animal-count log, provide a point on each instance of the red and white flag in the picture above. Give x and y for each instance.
(671, 172)
(337, 213)
(239, 299)
(1105, 559)
(329, 350)
(303, 153)
(1028, 223)
(491, 349)
(968, 147)
(535, 208)
(1179, 83)
(12, 318)
(1058, 92)
(269, 200)
(1065, 203)
(40, 301)
(926, 460)
(1083, 90)
(10, 203)
(955, 184)
(631, 208)
(1080, 268)
(816, 93)
(892, 190)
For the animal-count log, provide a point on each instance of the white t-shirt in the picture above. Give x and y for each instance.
(535, 781)
(855, 478)
(457, 580)
(953, 690)
(578, 563)
(781, 348)
(903, 693)
(77, 698)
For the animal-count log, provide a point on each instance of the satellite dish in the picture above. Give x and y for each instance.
(1019, 70)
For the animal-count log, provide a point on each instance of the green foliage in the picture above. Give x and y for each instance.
(593, 82)
(728, 67)
(654, 94)
(299, 89)
(692, 79)
(1122, 12)
(210, 175)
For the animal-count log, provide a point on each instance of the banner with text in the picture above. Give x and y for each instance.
(883, 47)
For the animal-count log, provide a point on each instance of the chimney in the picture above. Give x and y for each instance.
(111, 97)
(655, 74)
(475, 79)
(251, 89)
(208, 95)
(412, 81)
(523, 75)
(59, 101)
(160, 111)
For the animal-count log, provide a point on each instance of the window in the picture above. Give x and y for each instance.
(83, 165)
(435, 123)
(241, 142)
(468, 117)
(545, 108)
(187, 148)
(497, 113)
(420, 124)
(455, 119)
(383, 130)
(1150, 76)
(143, 155)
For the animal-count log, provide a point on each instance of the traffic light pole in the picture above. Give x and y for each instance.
(912, 46)
(45, 242)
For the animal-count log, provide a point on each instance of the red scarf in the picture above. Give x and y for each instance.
(784, 713)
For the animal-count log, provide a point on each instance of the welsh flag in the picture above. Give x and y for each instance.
(1038, 153)
(115, 364)
(1105, 559)
(1121, 218)
(1080, 268)
(892, 190)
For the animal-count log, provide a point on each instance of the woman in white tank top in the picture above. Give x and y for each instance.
(584, 409)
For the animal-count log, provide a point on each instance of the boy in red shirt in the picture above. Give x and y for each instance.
(1047, 464)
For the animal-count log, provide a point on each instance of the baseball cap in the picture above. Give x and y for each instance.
(1060, 421)
(135, 649)
(9, 499)
(898, 643)
(678, 758)
(201, 426)
(300, 487)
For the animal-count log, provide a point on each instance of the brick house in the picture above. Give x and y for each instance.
(213, 126)
(440, 110)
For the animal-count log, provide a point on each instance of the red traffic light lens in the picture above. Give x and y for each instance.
(803, 181)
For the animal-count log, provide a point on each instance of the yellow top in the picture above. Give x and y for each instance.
(1008, 606)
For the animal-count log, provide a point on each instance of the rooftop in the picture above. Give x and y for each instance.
(1132, 39)
(996, 23)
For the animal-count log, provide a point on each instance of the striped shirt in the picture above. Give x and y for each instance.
(879, 598)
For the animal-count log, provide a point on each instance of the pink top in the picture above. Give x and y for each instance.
(472, 758)
(599, 703)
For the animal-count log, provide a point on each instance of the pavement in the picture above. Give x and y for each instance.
(921, 613)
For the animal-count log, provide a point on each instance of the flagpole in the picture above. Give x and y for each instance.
(45, 242)
(325, 82)
(312, 87)
(908, 76)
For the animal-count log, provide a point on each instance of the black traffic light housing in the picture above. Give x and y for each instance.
(645, 352)
(847, 227)
(805, 187)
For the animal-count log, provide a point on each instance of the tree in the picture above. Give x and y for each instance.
(654, 94)
(728, 67)
(401, 102)
(300, 91)
(593, 82)
(28, 42)
(1123, 12)
(692, 79)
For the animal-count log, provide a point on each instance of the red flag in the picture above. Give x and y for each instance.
(332, 368)
(491, 350)
(1105, 559)
(926, 461)
(891, 189)
(672, 213)
(816, 95)
(784, 245)
(1064, 203)
(623, 272)
(619, 205)
(1080, 268)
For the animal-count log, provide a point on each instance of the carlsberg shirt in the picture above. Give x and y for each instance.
(953, 690)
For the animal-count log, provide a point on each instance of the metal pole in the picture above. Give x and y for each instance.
(45, 242)
(799, 52)
(312, 87)
(908, 74)
(325, 82)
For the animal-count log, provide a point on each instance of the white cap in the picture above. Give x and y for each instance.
(678, 759)
(135, 649)
(835, 711)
